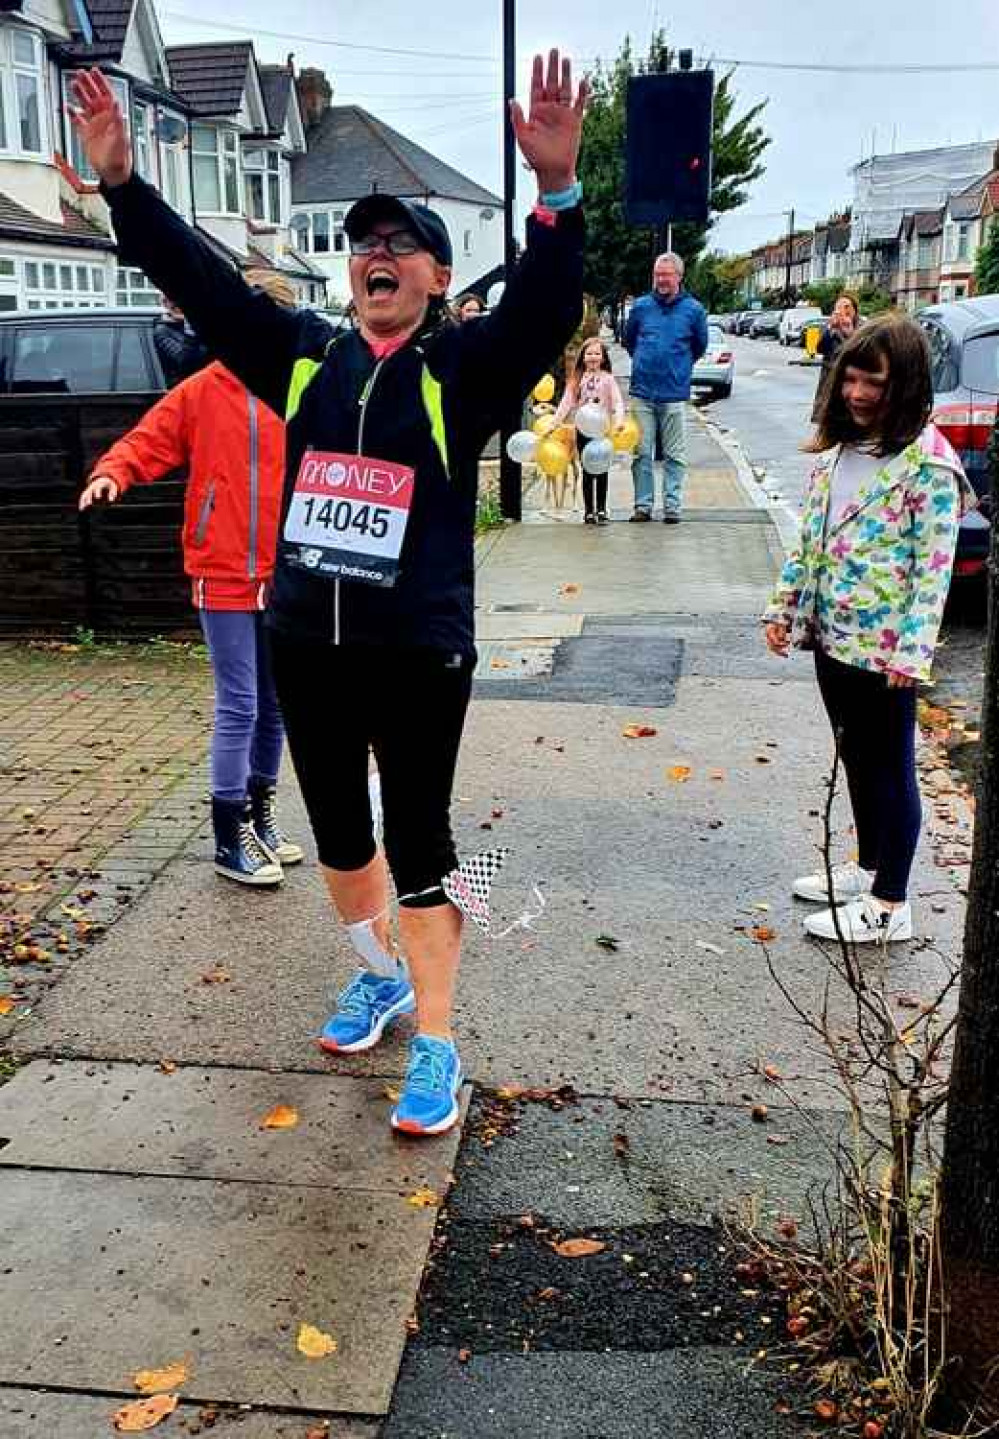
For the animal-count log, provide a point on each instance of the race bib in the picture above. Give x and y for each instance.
(348, 516)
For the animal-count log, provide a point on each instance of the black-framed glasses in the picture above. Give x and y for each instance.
(398, 242)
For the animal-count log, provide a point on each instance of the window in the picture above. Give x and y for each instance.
(79, 161)
(216, 170)
(321, 233)
(468, 242)
(135, 290)
(171, 132)
(8, 283)
(133, 366)
(67, 359)
(262, 177)
(22, 108)
(963, 241)
(141, 118)
(50, 285)
(300, 232)
(925, 257)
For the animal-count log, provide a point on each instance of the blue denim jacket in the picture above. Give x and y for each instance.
(664, 338)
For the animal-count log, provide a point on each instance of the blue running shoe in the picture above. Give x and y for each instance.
(364, 1010)
(429, 1100)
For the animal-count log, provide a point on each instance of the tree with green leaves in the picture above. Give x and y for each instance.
(987, 263)
(719, 281)
(619, 256)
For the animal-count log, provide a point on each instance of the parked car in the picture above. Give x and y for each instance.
(964, 355)
(793, 322)
(746, 320)
(766, 325)
(715, 370)
(79, 352)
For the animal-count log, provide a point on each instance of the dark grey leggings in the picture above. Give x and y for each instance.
(877, 726)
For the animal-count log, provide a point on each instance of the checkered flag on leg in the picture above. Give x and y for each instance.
(470, 885)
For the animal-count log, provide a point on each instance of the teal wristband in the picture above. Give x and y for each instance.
(562, 199)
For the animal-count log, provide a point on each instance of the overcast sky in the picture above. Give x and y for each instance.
(448, 97)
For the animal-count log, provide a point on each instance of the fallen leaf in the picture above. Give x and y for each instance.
(144, 1413)
(218, 975)
(607, 941)
(762, 759)
(778, 1139)
(797, 1326)
(167, 1066)
(716, 774)
(498, 664)
(639, 731)
(771, 1072)
(6, 1004)
(760, 1113)
(391, 1093)
(763, 933)
(155, 1381)
(282, 1116)
(787, 1228)
(423, 1198)
(826, 1410)
(550, 1292)
(622, 1145)
(313, 1343)
(464, 1355)
(578, 1248)
(319, 1431)
(569, 589)
(678, 773)
(907, 1001)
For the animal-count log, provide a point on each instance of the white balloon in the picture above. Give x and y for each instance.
(521, 447)
(591, 421)
(597, 457)
(494, 294)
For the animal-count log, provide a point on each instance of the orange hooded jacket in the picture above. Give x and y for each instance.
(233, 447)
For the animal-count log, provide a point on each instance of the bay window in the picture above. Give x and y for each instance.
(22, 88)
(171, 134)
(216, 170)
(319, 232)
(141, 139)
(262, 176)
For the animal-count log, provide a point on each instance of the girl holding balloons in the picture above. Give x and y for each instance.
(593, 399)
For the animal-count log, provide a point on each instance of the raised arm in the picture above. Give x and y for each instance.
(508, 351)
(256, 338)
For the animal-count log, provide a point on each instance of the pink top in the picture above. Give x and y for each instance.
(595, 387)
(381, 349)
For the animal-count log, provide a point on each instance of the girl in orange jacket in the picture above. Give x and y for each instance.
(233, 448)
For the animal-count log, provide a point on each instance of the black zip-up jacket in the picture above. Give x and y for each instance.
(431, 405)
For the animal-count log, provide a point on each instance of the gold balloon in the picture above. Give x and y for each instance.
(552, 459)
(544, 390)
(543, 425)
(566, 435)
(627, 435)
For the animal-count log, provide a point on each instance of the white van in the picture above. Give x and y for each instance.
(792, 326)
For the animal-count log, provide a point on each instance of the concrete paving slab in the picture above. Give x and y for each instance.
(515, 624)
(223, 1273)
(36, 1414)
(702, 1392)
(628, 568)
(206, 1124)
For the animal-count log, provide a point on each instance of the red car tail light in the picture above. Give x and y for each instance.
(725, 357)
(968, 427)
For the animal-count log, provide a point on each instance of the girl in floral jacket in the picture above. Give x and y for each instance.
(865, 589)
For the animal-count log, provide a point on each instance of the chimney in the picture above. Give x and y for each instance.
(315, 95)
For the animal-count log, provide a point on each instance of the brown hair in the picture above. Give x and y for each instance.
(605, 361)
(281, 291)
(852, 301)
(899, 343)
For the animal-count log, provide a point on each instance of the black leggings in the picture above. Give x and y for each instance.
(406, 705)
(600, 481)
(877, 726)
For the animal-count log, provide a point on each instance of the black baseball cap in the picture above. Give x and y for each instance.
(428, 227)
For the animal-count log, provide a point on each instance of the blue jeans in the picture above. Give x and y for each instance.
(248, 733)
(663, 420)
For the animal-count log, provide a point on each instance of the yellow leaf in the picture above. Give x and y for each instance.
(638, 731)
(282, 1116)
(144, 1414)
(423, 1199)
(678, 773)
(313, 1343)
(155, 1381)
(6, 1004)
(578, 1248)
(391, 1093)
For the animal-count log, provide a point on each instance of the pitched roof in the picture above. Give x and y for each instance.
(965, 206)
(110, 19)
(352, 152)
(928, 222)
(275, 82)
(839, 238)
(17, 223)
(210, 78)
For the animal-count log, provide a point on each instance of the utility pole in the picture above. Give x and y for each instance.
(789, 255)
(510, 476)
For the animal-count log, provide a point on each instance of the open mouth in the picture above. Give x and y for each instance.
(381, 282)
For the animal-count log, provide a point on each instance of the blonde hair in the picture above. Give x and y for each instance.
(281, 291)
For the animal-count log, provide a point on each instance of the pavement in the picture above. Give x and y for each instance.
(615, 1048)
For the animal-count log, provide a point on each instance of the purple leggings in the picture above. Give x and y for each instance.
(248, 733)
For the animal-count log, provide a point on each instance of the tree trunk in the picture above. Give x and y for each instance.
(970, 1189)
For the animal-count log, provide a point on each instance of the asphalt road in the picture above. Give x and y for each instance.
(768, 413)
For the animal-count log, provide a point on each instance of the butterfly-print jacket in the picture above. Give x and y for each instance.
(869, 585)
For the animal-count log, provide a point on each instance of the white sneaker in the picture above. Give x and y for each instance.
(864, 921)
(849, 881)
